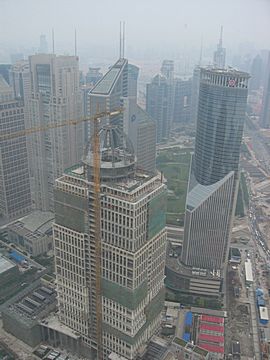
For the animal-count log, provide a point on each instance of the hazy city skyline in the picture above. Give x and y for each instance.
(246, 24)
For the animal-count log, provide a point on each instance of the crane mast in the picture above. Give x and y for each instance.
(96, 187)
(96, 173)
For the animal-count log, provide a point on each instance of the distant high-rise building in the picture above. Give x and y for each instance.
(195, 87)
(93, 75)
(133, 73)
(139, 126)
(109, 92)
(56, 97)
(141, 130)
(220, 54)
(182, 100)
(265, 56)
(167, 69)
(43, 45)
(85, 89)
(4, 71)
(16, 57)
(265, 117)
(118, 88)
(256, 73)
(159, 105)
(19, 75)
(15, 195)
(213, 183)
(133, 245)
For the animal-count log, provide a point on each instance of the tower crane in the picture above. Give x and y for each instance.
(96, 178)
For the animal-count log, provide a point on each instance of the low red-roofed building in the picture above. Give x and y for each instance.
(212, 338)
(211, 329)
(212, 319)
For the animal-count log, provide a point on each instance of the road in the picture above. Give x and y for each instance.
(259, 149)
(259, 255)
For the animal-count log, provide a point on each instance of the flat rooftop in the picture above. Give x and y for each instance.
(5, 265)
(156, 349)
(52, 322)
(227, 71)
(40, 221)
(107, 82)
(129, 183)
(33, 303)
(204, 274)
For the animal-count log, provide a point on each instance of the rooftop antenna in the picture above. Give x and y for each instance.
(201, 51)
(120, 40)
(53, 40)
(75, 42)
(221, 35)
(124, 33)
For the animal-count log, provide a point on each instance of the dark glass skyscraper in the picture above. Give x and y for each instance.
(256, 73)
(159, 100)
(213, 182)
(220, 121)
(265, 116)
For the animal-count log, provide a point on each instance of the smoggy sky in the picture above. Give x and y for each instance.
(150, 24)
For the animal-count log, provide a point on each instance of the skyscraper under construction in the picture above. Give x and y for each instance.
(133, 246)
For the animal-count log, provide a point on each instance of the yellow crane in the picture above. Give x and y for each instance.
(96, 172)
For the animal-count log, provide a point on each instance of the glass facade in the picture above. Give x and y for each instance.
(220, 123)
(213, 181)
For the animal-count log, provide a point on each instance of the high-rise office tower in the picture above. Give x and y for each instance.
(220, 54)
(139, 126)
(213, 183)
(4, 71)
(16, 57)
(265, 56)
(167, 69)
(160, 100)
(195, 87)
(133, 241)
(43, 45)
(15, 196)
(93, 76)
(118, 88)
(159, 105)
(133, 74)
(19, 75)
(265, 117)
(141, 129)
(56, 97)
(256, 73)
(20, 80)
(182, 100)
(109, 92)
